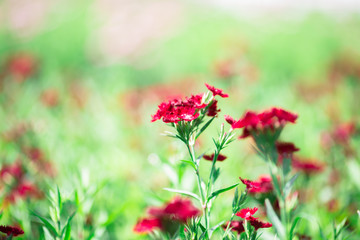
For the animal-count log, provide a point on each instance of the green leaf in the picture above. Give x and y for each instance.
(204, 127)
(280, 230)
(214, 194)
(286, 166)
(289, 185)
(183, 192)
(59, 199)
(68, 224)
(68, 232)
(47, 224)
(191, 163)
(296, 220)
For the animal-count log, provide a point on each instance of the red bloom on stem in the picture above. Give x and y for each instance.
(259, 224)
(308, 166)
(220, 157)
(181, 209)
(271, 119)
(247, 213)
(9, 230)
(250, 184)
(216, 91)
(177, 110)
(147, 225)
(235, 226)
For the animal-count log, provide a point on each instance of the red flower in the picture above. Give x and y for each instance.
(250, 184)
(258, 224)
(15, 170)
(213, 110)
(262, 185)
(23, 190)
(181, 209)
(21, 66)
(272, 119)
(216, 91)
(147, 225)
(308, 166)
(247, 213)
(235, 226)
(343, 132)
(286, 148)
(220, 157)
(13, 231)
(177, 110)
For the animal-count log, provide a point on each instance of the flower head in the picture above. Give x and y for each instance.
(147, 225)
(220, 157)
(213, 110)
(261, 185)
(259, 224)
(286, 148)
(307, 166)
(13, 231)
(216, 91)
(181, 209)
(250, 184)
(247, 213)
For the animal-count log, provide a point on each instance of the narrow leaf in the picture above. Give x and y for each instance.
(190, 163)
(289, 185)
(47, 224)
(296, 220)
(183, 192)
(204, 127)
(274, 219)
(214, 194)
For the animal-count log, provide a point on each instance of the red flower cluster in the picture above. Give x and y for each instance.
(220, 157)
(262, 185)
(177, 110)
(176, 211)
(14, 175)
(13, 231)
(259, 122)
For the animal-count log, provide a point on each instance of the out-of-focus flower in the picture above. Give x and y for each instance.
(24, 190)
(147, 225)
(50, 97)
(247, 213)
(259, 224)
(307, 166)
(250, 184)
(220, 157)
(254, 123)
(14, 170)
(225, 68)
(11, 231)
(235, 226)
(343, 133)
(286, 148)
(261, 185)
(216, 91)
(21, 66)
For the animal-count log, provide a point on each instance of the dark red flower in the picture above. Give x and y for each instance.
(247, 213)
(147, 225)
(286, 148)
(13, 231)
(216, 91)
(308, 166)
(250, 184)
(259, 224)
(213, 110)
(235, 226)
(220, 157)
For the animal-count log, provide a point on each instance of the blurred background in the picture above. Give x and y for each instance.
(79, 81)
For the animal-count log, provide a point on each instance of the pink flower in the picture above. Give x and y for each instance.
(220, 157)
(216, 91)
(250, 184)
(247, 213)
(11, 231)
(147, 225)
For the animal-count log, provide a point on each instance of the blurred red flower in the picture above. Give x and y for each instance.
(147, 225)
(259, 224)
(220, 157)
(250, 184)
(235, 226)
(21, 66)
(247, 213)
(9, 230)
(262, 185)
(286, 148)
(307, 166)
